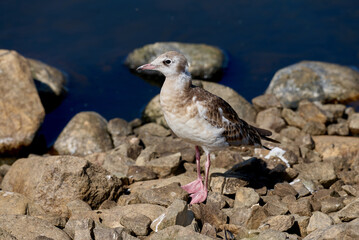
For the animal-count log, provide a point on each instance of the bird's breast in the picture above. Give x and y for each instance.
(185, 120)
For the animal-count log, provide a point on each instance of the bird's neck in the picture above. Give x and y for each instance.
(178, 85)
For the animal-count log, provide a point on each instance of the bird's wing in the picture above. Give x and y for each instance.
(221, 115)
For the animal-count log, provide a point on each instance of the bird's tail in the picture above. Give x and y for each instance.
(263, 133)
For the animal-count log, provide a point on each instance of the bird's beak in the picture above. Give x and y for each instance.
(148, 66)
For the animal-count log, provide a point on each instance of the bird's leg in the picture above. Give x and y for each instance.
(201, 195)
(196, 185)
(207, 166)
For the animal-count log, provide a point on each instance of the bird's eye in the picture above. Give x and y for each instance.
(167, 62)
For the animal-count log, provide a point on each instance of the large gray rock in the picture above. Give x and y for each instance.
(206, 62)
(315, 81)
(49, 76)
(21, 110)
(86, 133)
(30, 228)
(243, 108)
(50, 83)
(55, 181)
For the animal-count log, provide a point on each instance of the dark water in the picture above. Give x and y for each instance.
(89, 40)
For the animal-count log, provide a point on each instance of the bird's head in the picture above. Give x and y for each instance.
(169, 63)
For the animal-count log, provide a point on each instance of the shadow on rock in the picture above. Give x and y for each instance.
(249, 173)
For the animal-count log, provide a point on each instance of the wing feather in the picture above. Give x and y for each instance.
(221, 115)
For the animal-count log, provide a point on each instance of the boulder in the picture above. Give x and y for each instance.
(50, 83)
(29, 228)
(55, 181)
(86, 133)
(21, 110)
(206, 62)
(315, 81)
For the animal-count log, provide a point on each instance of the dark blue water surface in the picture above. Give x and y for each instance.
(89, 40)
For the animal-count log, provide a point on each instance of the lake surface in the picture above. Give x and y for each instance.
(89, 40)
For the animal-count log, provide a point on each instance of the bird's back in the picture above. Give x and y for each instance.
(205, 119)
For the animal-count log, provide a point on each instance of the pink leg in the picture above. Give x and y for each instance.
(196, 185)
(201, 195)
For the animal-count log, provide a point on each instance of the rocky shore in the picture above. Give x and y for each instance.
(121, 180)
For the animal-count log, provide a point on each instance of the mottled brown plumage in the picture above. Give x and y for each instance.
(200, 117)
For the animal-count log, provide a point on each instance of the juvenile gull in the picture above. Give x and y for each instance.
(200, 117)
